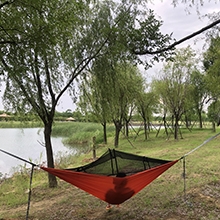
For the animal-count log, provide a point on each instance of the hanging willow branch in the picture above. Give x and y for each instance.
(145, 52)
(3, 4)
(6, 3)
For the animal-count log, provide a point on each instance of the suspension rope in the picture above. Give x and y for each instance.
(184, 161)
(31, 177)
(196, 148)
(19, 158)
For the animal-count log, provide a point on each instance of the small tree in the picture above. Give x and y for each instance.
(211, 63)
(174, 85)
(199, 93)
(146, 103)
(214, 114)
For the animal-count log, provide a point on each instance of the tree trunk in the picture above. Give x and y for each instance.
(176, 127)
(145, 130)
(50, 160)
(187, 122)
(213, 127)
(127, 128)
(165, 126)
(200, 119)
(118, 126)
(105, 133)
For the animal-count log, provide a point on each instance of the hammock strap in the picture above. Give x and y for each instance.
(184, 160)
(205, 142)
(19, 158)
(31, 177)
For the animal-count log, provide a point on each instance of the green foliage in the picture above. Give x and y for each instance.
(211, 64)
(174, 87)
(110, 97)
(14, 189)
(42, 34)
(214, 111)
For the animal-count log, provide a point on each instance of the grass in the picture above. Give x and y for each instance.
(162, 199)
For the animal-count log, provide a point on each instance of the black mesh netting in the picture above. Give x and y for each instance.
(114, 162)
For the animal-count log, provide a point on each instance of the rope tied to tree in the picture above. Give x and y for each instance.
(196, 148)
(190, 152)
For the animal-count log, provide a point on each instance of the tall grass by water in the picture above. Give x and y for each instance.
(80, 132)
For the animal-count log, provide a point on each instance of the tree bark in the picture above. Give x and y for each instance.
(176, 127)
(127, 128)
(50, 160)
(118, 127)
(165, 126)
(213, 127)
(200, 119)
(104, 132)
(145, 130)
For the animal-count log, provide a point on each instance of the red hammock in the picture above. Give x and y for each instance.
(114, 190)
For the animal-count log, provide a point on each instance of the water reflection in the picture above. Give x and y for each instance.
(27, 143)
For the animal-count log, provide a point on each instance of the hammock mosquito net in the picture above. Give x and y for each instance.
(114, 162)
(116, 176)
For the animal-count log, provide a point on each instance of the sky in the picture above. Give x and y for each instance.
(183, 21)
(180, 20)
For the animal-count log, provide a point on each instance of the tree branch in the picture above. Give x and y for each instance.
(4, 3)
(83, 64)
(144, 52)
(7, 42)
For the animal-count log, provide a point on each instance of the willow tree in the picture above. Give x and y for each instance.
(48, 44)
(126, 88)
(146, 105)
(199, 93)
(110, 96)
(174, 87)
(53, 42)
(211, 63)
(101, 88)
(95, 94)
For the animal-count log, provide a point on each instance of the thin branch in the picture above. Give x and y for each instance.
(144, 52)
(48, 76)
(4, 3)
(7, 42)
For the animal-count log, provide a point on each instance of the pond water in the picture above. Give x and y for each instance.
(27, 143)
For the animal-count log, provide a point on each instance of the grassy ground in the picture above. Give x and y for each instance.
(163, 199)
